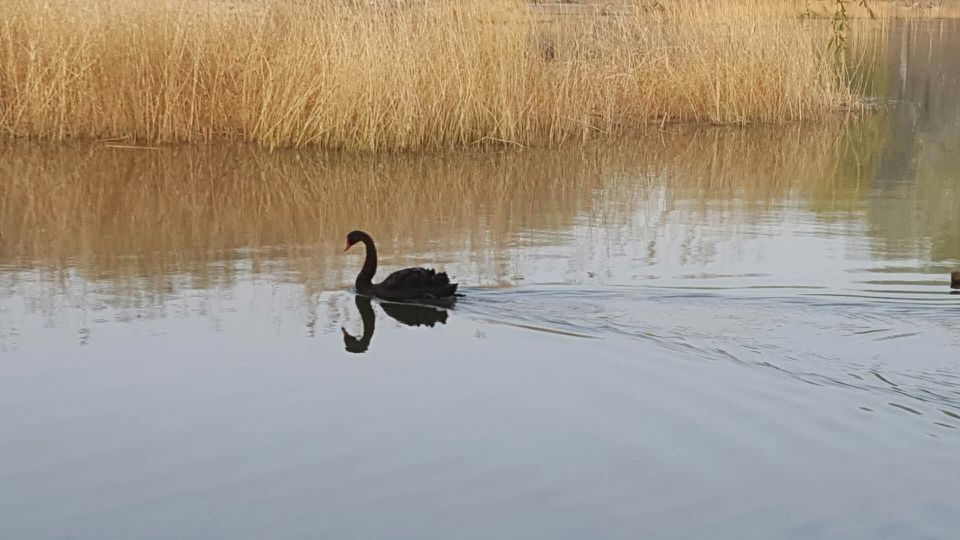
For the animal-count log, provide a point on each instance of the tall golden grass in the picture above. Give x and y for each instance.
(395, 75)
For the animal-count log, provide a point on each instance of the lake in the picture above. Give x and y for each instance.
(700, 332)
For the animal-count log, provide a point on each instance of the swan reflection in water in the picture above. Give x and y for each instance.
(408, 314)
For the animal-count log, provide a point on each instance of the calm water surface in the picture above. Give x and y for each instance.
(702, 333)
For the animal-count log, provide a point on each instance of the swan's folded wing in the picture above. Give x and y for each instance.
(413, 278)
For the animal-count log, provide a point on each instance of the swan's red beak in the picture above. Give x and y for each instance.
(346, 245)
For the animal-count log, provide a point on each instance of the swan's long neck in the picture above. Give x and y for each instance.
(365, 277)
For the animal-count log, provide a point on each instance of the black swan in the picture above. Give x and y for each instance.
(955, 279)
(406, 284)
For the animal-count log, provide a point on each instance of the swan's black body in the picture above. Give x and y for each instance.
(406, 284)
(955, 279)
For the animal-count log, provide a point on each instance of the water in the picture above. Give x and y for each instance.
(705, 332)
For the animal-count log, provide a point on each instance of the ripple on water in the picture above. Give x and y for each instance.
(824, 338)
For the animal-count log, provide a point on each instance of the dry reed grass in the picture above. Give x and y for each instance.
(424, 74)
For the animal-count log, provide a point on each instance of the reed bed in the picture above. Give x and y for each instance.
(392, 75)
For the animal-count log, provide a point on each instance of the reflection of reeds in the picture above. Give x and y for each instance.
(920, 161)
(401, 75)
(195, 211)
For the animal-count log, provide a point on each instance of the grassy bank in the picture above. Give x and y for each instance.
(402, 75)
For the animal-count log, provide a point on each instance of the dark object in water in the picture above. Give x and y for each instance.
(408, 314)
(955, 280)
(406, 284)
(360, 345)
(414, 314)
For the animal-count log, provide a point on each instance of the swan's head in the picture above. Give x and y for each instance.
(353, 238)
